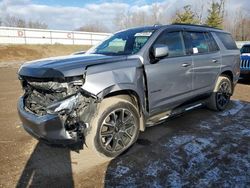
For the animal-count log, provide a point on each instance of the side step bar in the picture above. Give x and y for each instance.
(155, 120)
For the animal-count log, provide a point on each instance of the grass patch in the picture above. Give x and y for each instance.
(20, 53)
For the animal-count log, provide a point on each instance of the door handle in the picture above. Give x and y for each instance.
(214, 60)
(185, 64)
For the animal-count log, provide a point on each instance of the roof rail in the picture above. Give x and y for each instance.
(156, 25)
(197, 25)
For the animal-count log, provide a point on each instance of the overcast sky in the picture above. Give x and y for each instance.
(71, 14)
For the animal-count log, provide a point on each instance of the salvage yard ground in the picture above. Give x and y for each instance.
(200, 148)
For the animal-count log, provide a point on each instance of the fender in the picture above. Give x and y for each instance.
(102, 80)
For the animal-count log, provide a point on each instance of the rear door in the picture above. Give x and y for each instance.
(169, 79)
(206, 60)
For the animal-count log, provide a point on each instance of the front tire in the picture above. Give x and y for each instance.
(221, 95)
(114, 128)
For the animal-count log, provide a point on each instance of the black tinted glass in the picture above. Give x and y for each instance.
(174, 42)
(213, 47)
(245, 49)
(198, 42)
(227, 41)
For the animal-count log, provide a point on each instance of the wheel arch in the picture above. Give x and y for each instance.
(133, 97)
(229, 74)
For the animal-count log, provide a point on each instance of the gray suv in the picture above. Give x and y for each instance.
(136, 78)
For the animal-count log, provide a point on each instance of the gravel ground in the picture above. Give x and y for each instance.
(199, 148)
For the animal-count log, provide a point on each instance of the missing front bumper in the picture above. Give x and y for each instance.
(48, 127)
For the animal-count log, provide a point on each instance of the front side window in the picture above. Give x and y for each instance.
(198, 42)
(174, 42)
(123, 43)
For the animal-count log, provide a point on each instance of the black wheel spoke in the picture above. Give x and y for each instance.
(126, 133)
(115, 142)
(128, 118)
(107, 133)
(122, 142)
(108, 141)
(110, 125)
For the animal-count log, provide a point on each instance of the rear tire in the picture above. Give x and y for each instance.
(114, 128)
(220, 97)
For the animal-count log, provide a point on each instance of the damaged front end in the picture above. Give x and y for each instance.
(61, 102)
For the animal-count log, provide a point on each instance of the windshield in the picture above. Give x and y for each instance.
(245, 49)
(123, 43)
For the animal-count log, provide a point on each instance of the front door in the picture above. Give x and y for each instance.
(169, 79)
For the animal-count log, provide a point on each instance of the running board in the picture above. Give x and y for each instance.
(155, 120)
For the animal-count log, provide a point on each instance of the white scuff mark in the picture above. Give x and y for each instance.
(121, 170)
(179, 140)
(241, 131)
(204, 142)
(154, 168)
(245, 132)
(205, 125)
(210, 176)
(198, 145)
(174, 179)
(237, 107)
(192, 148)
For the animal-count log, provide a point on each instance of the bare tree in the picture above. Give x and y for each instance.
(37, 25)
(199, 11)
(155, 13)
(122, 20)
(12, 21)
(238, 25)
(93, 27)
(242, 27)
(125, 18)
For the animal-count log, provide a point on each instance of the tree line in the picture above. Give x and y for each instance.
(13, 21)
(215, 15)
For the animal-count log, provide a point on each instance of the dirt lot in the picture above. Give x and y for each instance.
(200, 148)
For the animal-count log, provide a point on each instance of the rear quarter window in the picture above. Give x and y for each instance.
(227, 41)
(213, 47)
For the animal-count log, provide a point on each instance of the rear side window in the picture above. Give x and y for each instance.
(198, 42)
(213, 47)
(174, 42)
(227, 41)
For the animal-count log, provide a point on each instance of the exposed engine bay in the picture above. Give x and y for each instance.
(65, 98)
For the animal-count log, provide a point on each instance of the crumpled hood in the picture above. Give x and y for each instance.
(65, 66)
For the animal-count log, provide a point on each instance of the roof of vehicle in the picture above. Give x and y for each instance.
(178, 25)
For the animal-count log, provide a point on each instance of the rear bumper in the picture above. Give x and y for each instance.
(48, 128)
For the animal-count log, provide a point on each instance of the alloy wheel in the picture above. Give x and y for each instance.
(223, 95)
(118, 130)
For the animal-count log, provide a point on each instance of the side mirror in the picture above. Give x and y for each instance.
(160, 50)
